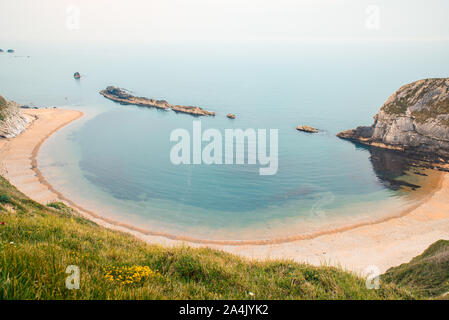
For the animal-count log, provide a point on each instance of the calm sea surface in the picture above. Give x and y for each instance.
(116, 160)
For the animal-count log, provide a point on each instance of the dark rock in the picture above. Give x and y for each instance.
(123, 97)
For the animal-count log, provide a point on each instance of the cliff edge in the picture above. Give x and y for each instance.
(12, 121)
(414, 120)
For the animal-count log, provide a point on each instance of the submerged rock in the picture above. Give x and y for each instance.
(307, 129)
(1, 50)
(230, 116)
(11, 51)
(123, 97)
(12, 121)
(414, 120)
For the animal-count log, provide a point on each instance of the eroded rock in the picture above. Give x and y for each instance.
(12, 121)
(308, 129)
(415, 119)
(124, 97)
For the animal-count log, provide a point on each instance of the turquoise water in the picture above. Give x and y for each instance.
(116, 162)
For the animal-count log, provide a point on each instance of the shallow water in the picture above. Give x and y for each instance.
(115, 161)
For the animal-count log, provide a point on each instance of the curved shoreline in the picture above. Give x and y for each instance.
(235, 246)
(293, 238)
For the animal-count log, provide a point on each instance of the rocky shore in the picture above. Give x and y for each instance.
(123, 97)
(12, 121)
(414, 120)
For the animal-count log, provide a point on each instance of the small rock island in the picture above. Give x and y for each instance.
(308, 129)
(414, 120)
(76, 75)
(230, 116)
(123, 97)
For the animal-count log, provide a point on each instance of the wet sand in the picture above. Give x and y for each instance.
(384, 243)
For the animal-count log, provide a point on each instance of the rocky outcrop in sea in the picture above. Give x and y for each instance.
(123, 97)
(12, 121)
(414, 120)
(308, 129)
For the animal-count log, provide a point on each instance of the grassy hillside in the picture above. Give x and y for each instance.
(38, 242)
(427, 274)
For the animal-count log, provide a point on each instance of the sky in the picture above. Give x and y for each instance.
(222, 21)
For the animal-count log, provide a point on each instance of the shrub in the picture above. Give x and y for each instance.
(57, 205)
(4, 198)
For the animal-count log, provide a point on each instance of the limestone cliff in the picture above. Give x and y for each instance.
(415, 120)
(12, 122)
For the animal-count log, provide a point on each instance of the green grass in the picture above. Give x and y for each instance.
(4, 198)
(427, 274)
(397, 107)
(38, 242)
(431, 111)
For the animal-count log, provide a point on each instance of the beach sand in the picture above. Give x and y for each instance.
(384, 243)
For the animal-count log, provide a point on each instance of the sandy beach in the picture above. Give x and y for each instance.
(384, 243)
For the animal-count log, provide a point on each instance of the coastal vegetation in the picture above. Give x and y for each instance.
(434, 112)
(38, 243)
(411, 94)
(427, 274)
(398, 107)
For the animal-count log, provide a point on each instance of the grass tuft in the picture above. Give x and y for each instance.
(4, 198)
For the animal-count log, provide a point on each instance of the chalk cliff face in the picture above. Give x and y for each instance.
(415, 120)
(12, 122)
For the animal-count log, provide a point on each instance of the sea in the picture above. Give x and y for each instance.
(116, 161)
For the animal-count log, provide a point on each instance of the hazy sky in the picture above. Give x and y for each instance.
(148, 21)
